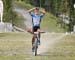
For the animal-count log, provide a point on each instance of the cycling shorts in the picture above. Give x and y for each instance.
(35, 28)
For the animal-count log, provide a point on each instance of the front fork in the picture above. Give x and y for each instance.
(36, 36)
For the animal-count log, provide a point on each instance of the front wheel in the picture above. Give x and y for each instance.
(35, 50)
(36, 46)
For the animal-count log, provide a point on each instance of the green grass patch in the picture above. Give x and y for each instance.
(23, 4)
(64, 49)
(14, 46)
(49, 23)
(19, 21)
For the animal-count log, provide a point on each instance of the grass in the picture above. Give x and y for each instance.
(19, 22)
(23, 5)
(64, 49)
(17, 46)
(49, 22)
(14, 46)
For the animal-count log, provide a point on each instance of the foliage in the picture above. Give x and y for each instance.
(53, 6)
(9, 15)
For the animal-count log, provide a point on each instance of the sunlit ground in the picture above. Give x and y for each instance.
(17, 46)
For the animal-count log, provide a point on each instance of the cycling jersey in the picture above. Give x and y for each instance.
(36, 19)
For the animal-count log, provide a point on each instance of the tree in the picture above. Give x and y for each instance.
(8, 12)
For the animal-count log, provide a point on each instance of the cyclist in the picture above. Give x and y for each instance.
(36, 14)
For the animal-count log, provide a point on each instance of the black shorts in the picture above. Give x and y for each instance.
(35, 28)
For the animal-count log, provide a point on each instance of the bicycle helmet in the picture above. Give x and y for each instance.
(36, 8)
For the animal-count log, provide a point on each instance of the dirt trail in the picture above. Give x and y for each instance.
(26, 16)
(48, 41)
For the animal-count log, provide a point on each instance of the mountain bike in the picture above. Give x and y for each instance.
(36, 42)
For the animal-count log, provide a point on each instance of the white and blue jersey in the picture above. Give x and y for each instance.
(36, 19)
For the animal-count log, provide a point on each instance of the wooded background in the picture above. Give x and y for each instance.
(55, 7)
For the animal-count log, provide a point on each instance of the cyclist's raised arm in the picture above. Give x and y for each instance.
(31, 10)
(43, 11)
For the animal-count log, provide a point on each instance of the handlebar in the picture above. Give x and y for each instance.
(38, 32)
